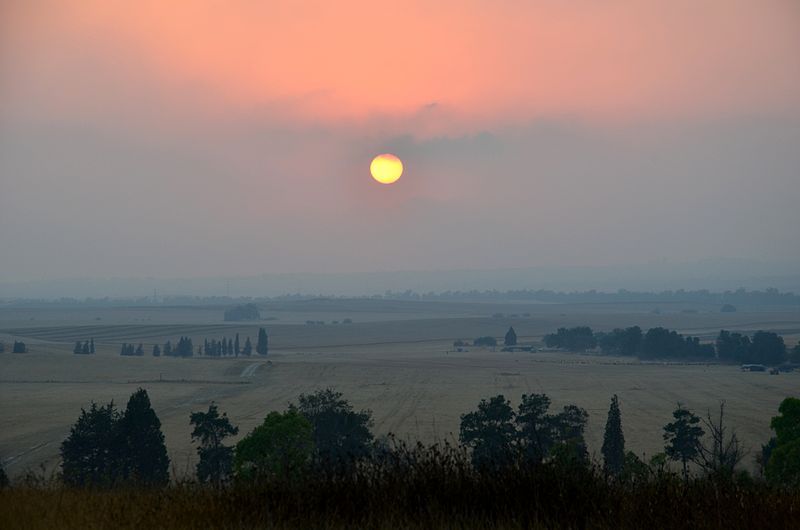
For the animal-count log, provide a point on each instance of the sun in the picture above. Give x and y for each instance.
(386, 168)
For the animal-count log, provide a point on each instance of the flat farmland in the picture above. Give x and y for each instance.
(394, 360)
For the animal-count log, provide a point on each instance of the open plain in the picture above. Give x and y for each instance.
(395, 358)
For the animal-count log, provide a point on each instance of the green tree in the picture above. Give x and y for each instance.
(489, 432)
(156, 350)
(682, 437)
(248, 347)
(613, 440)
(732, 346)
(783, 466)
(536, 434)
(143, 452)
(86, 349)
(577, 339)
(281, 447)
(767, 348)
(486, 341)
(511, 337)
(77, 349)
(262, 346)
(236, 349)
(619, 341)
(91, 346)
(341, 434)
(89, 455)
(570, 425)
(216, 459)
(794, 355)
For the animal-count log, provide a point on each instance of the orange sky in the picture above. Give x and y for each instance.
(549, 132)
(478, 61)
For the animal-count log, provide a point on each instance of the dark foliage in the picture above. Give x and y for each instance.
(262, 345)
(486, 341)
(244, 312)
(490, 433)
(90, 454)
(340, 433)
(682, 437)
(511, 337)
(626, 341)
(576, 339)
(420, 487)
(216, 459)
(767, 348)
(662, 343)
(106, 448)
(19, 347)
(783, 461)
(613, 441)
(143, 453)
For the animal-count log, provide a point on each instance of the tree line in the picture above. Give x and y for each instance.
(17, 347)
(764, 347)
(213, 348)
(323, 433)
(770, 296)
(85, 348)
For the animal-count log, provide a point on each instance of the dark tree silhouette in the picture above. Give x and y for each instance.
(216, 460)
(722, 453)
(767, 348)
(536, 427)
(490, 433)
(576, 339)
(511, 337)
(626, 341)
(91, 346)
(733, 346)
(143, 453)
(682, 437)
(90, 454)
(236, 349)
(570, 425)
(341, 434)
(156, 350)
(613, 441)
(783, 464)
(485, 341)
(77, 349)
(19, 347)
(262, 346)
(248, 347)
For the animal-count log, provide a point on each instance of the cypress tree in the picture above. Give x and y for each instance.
(511, 337)
(236, 349)
(156, 350)
(262, 346)
(91, 346)
(77, 348)
(143, 453)
(613, 440)
(248, 347)
(86, 349)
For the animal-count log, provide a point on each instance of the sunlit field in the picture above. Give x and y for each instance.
(395, 358)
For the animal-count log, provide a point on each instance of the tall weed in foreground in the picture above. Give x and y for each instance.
(414, 487)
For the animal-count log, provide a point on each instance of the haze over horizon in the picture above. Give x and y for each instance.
(188, 141)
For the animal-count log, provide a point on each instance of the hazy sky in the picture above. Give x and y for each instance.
(234, 137)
